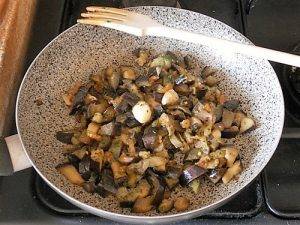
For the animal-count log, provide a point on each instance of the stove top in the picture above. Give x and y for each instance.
(274, 197)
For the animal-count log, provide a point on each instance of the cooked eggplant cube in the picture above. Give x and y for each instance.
(190, 173)
(84, 167)
(165, 206)
(70, 172)
(215, 175)
(230, 132)
(74, 160)
(231, 104)
(158, 187)
(89, 187)
(142, 205)
(64, 136)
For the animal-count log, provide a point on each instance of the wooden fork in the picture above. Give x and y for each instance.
(142, 25)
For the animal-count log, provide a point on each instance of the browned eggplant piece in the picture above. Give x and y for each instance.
(78, 103)
(89, 187)
(131, 121)
(116, 147)
(143, 81)
(193, 154)
(231, 104)
(150, 138)
(190, 173)
(84, 167)
(165, 206)
(188, 62)
(157, 96)
(126, 198)
(107, 129)
(70, 172)
(109, 114)
(142, 205)
(227, 118)
(158, 187)
(247, 124)
(74, 160)
(230, 132)
(158, 110)
(105, 142)
(130, 98)
(181, 204)
(172, 176)
(218, 111)
(122, 107)
(106, 185)
(215, 175)
(113, 77)
(64, 136)
(119, 172)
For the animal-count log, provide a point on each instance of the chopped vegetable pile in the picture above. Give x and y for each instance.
(133, 125)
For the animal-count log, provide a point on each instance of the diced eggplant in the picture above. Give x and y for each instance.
(142, 205)
(207, 71)
(218, 112)
(193, 154)
(107, 129)
(89, 187)
(200, 113)
(64, 136)
(195, 185)
(143, 189)
(172, 176)
(70, 172)
(231, 104)
(188, 62)
(130, 98)
(84, 167)
(165, 206)
(232, 172)
(78, 102)
(122, 107)
(97, 160)
(113, 77)
(116, 147)
(231, 155)
(211, 81)
(246, 124)
(74, 160)
(125, 159)
(131, 121)
(227, 118)
(191, 173)
(106, 185)
(215, 175)
(143, 81)
(105, 142)
(158, 110)
(150, 138)
(109, 114)
(181, 204)
(80, 153)
(158, 187)
(180, 80)
(230, 132)
(119, 172)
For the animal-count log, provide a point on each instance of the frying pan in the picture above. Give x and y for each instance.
(83, 50)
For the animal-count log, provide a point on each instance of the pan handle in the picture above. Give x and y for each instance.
(12, 155)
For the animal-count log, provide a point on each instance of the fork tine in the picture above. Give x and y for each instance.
(103, 16)
(107, 9)
(101, 22)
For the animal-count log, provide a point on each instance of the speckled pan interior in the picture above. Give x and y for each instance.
(83, 50)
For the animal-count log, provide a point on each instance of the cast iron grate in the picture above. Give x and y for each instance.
(246, 205)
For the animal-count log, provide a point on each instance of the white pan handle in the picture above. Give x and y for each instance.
(12, 156)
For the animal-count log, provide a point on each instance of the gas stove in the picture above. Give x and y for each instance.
(273, 197)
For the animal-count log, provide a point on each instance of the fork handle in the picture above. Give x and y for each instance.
(226, 45)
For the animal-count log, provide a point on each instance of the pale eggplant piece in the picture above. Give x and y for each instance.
(191, 173)
(227, 118)
(84, 167)
(130, 98)
(150, 138)
(230, 132)
(113, 77)
(215, 175)
(232, 104)
(78, 103)
(195, 185)
(71, 173)
(89, 187)
(128, 201)
(193, 155)
(247, 124)
(64, 136)
(158, 187)
(218, 111)
(107, 129)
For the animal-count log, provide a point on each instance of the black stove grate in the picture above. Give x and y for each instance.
(245, 205)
